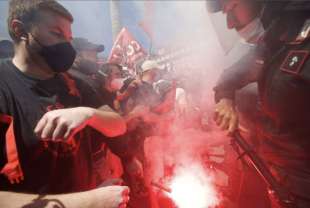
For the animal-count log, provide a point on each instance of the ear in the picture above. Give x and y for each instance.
(19, 30)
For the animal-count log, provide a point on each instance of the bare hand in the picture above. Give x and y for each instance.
(111, 197)
(225, 115)
(62, 124)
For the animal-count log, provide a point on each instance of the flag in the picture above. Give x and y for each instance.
(126, 51)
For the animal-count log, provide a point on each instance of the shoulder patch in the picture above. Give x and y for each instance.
(294, 61)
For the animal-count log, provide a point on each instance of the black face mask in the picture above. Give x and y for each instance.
(59, 57)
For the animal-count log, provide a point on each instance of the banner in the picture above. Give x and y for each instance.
(126, 51)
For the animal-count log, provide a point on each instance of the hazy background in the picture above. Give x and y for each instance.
(169, 25)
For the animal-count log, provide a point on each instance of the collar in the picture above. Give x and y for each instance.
(303, 34)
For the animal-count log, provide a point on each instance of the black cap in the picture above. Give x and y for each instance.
(82, 44)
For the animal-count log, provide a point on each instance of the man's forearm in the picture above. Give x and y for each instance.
(20, 200)
(108, 123)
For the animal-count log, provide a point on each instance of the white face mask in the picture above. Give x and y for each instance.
(117, 84)
(253, 31)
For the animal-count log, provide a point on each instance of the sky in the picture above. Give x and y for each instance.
(170, 21)
(174, 23)
(92, 20)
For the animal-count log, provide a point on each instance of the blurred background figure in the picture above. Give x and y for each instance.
(6, 49)
(86, 62)
(109, 80)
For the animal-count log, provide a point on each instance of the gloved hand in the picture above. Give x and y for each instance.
(226, 116)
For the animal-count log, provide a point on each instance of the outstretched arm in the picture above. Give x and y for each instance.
(247, 70)
(63, 123)
(105, 197)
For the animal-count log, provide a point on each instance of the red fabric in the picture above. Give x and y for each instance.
(126, 50)
(12, 170)
(73, 90)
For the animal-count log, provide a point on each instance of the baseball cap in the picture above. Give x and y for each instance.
(82, 44)
(150, 64)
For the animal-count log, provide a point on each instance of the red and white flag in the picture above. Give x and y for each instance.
(126, 50)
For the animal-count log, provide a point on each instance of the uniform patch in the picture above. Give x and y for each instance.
(294, 61)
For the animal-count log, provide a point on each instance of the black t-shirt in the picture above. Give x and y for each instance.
(48, 167)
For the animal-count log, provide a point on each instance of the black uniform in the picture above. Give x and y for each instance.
(284, 94)
(48, 167)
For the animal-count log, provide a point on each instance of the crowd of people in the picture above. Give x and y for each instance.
(73, 128)
(78, 132)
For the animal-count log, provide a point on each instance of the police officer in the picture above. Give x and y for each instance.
(281, 67)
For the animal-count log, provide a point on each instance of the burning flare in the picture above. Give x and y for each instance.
(191, 187)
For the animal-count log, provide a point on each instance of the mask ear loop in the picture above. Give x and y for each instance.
(34, 38)
(27, 38)
(37, 41)
(23, 38)
(259, 18)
